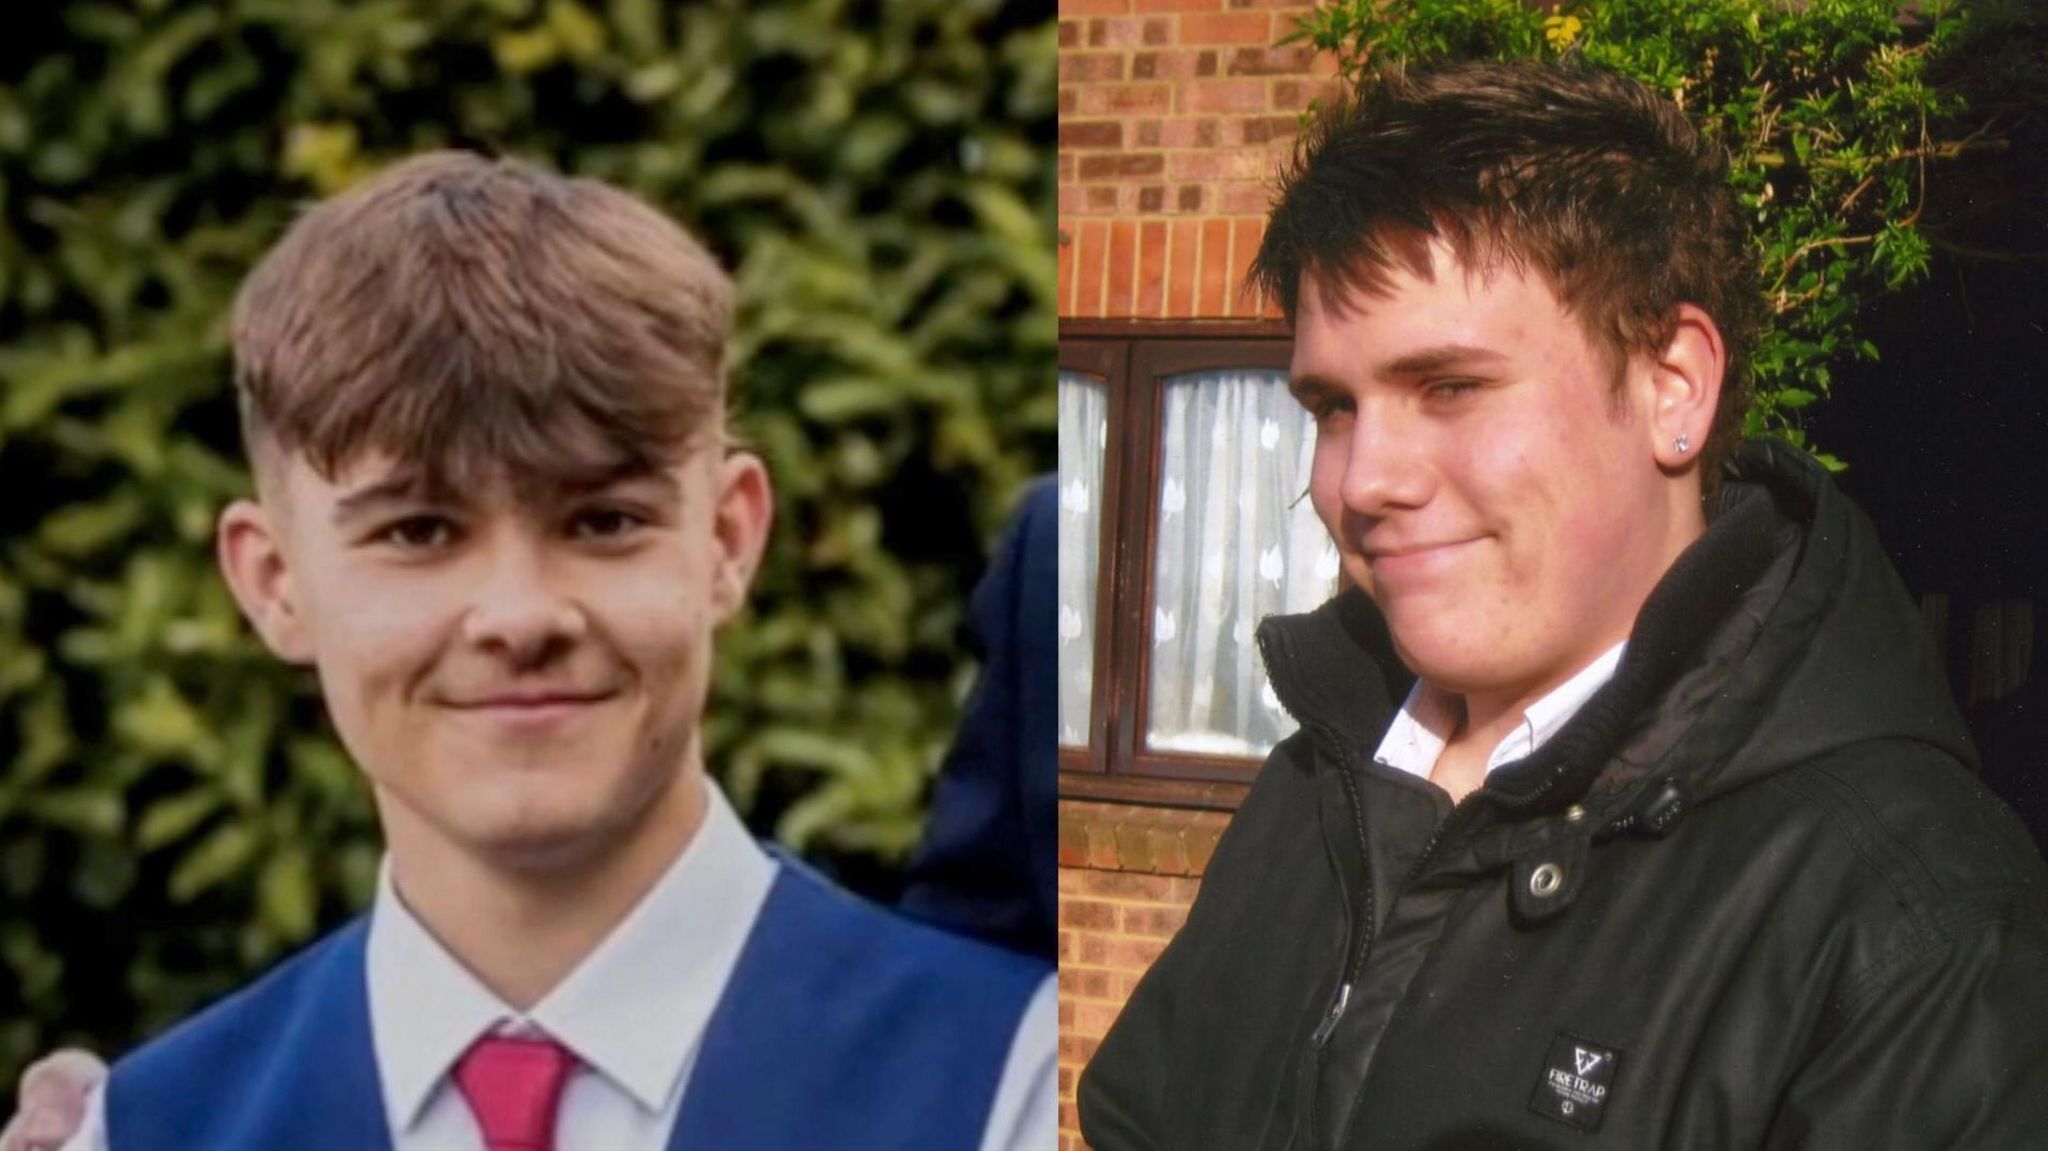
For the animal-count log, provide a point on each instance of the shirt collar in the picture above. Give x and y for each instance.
(634, 1010)
(1427, 718)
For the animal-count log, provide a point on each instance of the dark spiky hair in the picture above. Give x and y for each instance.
(1590, 179)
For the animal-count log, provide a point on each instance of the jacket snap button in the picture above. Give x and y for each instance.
(1576, 813)
(1545, 880)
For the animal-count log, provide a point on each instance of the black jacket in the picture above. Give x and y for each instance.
(1750, 896)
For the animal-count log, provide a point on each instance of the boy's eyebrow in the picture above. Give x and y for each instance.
(1436, 359)
(1310, 387)
(389, 490)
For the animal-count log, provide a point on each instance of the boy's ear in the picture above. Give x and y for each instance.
(1685, 384)
(253, 560)
(744, 511)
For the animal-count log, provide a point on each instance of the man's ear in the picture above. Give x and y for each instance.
(740, 521)
(1685, 388)
(253, 560)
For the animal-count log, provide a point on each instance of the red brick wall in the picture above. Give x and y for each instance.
(1173, 117)
(1127, 875)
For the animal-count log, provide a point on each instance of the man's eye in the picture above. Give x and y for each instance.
(419, 533)
(1449, 389)
(605, 523)
(1327, 408)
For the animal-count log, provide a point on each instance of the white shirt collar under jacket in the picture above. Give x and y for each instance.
(1419, 732)
(634, 1011)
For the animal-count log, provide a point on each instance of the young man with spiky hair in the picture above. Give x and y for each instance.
(1628, 808)
(498, 511)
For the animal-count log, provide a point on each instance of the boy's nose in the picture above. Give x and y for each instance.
(517, 612)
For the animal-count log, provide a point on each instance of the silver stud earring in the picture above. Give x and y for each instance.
(1681, 445)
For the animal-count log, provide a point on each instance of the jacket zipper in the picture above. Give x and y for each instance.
(1368, 926)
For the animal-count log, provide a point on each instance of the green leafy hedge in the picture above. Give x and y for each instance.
(172, 813)
(1835, 114)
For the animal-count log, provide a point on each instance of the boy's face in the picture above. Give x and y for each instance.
(1504, 505)
(521, 680)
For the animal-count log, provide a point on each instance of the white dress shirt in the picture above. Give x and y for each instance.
(1418, 734)
(633, 1012)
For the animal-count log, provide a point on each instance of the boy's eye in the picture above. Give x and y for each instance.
(605, 523)
(1450, 389)
(419, 533)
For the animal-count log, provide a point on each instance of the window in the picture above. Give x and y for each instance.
(1184, 521)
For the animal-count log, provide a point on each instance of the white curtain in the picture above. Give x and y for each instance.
(1084, 435)
(1238, 541)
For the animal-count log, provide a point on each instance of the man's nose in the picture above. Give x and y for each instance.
(518, 608)
(1386, 466)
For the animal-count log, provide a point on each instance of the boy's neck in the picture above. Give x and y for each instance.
(522, 929)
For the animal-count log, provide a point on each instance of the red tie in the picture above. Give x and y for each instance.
(514, 1087)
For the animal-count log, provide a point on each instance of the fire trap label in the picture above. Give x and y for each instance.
(1577, 1077)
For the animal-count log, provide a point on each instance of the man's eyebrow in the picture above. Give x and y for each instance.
(1436, 359)
(1310, 388)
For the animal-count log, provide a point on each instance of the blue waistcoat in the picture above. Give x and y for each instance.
(843, 1027)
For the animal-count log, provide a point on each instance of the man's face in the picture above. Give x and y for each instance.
(522, 681)
(1484, 483)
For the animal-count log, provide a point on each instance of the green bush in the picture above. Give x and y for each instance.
(172, 813)
(1834, 114)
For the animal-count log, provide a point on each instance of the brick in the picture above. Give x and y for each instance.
(1124, 99)
(1265, 129)
(1188, 133)
(1173, 65)
(1218, 96)
(1123, 285)
(1226, 28)
(1088, 914)
(1066, 168)
(1244, 244)
(1091, 134)
(1093, 8)
(1066, 1082)
(1101, 846)
(1090, 67)
(1168, 857)
(1200, 842)
(1077, 843)
(1152, 267)
(1244, 199)
(1070, 33)
(1292, 60)
(1130, 32)
(1213, 278)
(1070, 102)
(1218, 164)
(1079, 1048)
(1148, 133)
(1153, 922)
(1179, 5)
(1087, 983)
(1189, 199)
(1133, 955)
(1070, 879)
(1131, 885)
(1073, 200)
(1118, 165)
(1180, 271)
(1066, 1015)
(1092, 254)
(1094, 1019)
(1102, 199)
(1151, 201)
(1133, 851)
(1067, 946)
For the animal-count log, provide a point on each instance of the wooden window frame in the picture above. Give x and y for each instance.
(1133, 359)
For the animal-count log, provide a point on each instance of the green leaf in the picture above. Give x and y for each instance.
(218, 857)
